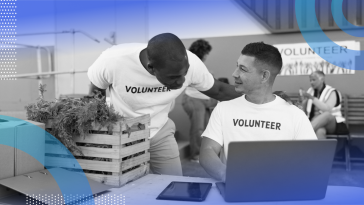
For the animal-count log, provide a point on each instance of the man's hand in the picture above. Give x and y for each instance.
(306, 95)
(93, 88)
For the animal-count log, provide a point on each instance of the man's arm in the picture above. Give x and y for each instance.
(209, 159)
(323, 106)
(93, 88)
(222, 91)
(328, 105)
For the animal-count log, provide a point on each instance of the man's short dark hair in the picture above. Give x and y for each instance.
(165, 47)
(264, 53)
(200, 48)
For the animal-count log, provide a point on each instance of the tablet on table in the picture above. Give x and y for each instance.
(185, 191)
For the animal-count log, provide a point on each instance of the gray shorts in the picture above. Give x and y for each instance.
(164, 153)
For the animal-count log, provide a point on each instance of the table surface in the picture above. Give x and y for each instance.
(145, 190)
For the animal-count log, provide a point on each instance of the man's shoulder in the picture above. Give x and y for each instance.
(295, 112)
(230, 104)
(194, 60)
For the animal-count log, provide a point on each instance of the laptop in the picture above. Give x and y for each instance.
(277, 170)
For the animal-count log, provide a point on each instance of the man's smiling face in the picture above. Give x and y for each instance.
(247, 76)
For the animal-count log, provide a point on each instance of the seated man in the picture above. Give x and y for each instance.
(323, 105)
(257, 115)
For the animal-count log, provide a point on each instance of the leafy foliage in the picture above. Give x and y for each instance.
(73, 117)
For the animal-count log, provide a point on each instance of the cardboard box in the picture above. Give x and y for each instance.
(25, 163)
(7, 150)
(14, 136)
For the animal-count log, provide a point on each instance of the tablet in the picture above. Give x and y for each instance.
(185, 191)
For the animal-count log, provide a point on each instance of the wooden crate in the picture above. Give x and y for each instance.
(117, 166)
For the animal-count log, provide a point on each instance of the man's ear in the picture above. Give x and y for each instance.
(151, 69)
(265, 76)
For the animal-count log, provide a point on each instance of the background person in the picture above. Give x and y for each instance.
(196, 104)
(145, 79)
(323, 106)
(257, 115)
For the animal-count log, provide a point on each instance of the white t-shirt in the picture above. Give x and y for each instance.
(134, 91)
(193, 93)
(241, 120)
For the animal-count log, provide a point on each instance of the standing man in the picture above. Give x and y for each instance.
(323, 106)
(196, 104)
(145, 79)
(257, 115)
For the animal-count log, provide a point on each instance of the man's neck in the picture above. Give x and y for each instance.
(260, 96)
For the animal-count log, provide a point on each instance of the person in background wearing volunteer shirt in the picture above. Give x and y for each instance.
(255, 116)
(145, 79)
(197, 105)
(323, 106)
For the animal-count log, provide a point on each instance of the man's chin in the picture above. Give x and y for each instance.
(239, 90)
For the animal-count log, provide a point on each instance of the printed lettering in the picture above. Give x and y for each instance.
(319, 48)
(251, 123)
(257, 123)
(335, 50)
(311, 51)
(343, 48)
(290, 52)
(246, 123)
(146, 89)
(127, 88)
(326, 50)
(278, 126)
(262, 123)
(272, 125)
(267, 125)
(235, 122)
(304, 50)
(294, 52)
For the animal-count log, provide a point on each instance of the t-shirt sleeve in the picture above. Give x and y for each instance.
(201, 78)
(214, 127)
(303, 127)
(100, 73)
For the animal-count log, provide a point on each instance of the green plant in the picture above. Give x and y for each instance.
(72, 117)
